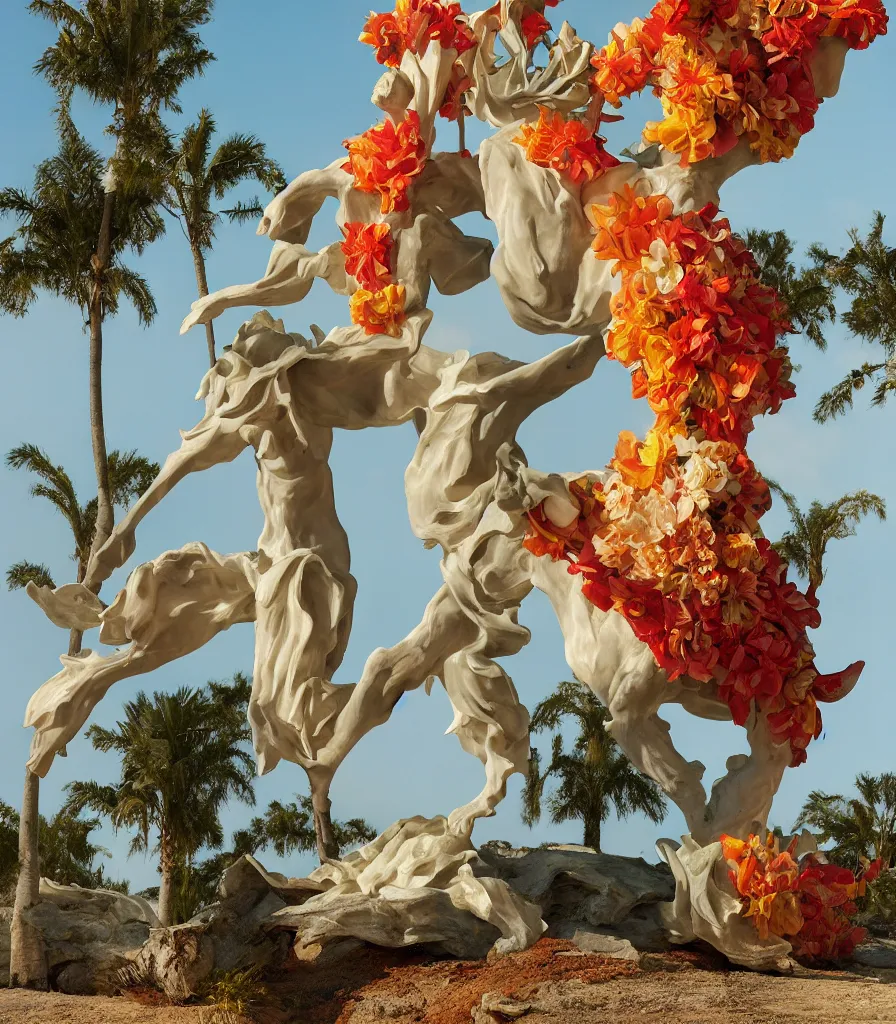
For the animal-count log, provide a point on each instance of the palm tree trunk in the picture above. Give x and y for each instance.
(327, 846)
(166, 886)
(75, 638)
(96, 311)
(592, 833)
(202, 285)
(28, 958)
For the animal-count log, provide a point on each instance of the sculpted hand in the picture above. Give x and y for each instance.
(70, 607)
(203, 311)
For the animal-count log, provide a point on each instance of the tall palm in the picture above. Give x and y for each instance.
(53, 249)
(182, 760)
(130, 475)
(197, 176)
(288, 828)
(862, 826)
(867, 274)
(807, 292)
(805, 544)
(595, 778)
(133, 57)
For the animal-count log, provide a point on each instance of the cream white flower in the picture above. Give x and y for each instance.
(662, 265)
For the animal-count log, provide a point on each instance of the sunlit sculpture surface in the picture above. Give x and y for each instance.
(664, 587)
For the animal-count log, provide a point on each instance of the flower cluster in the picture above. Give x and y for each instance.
(387, 158)
(379, 312)
(412, 26)
(725, 69)
(807, 901)
(378, 305)
(569, 147)
(669, 537)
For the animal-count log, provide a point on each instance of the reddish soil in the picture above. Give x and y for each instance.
(554, 987)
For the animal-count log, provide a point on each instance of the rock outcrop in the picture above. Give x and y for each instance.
(91, 935)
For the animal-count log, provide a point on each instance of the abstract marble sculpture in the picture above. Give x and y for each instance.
(665, 588)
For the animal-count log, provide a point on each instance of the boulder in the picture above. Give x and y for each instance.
(877, 953)
(178, 960)
(394, 917)
(90, 935)
(601, 943)
(225, 936)
(589, 896)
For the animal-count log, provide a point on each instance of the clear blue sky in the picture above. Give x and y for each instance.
(294, 74)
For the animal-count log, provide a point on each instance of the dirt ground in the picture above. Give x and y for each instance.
(549, 984)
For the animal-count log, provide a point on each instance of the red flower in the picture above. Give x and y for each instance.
(368, 254)
(386, 159)
(534, 25)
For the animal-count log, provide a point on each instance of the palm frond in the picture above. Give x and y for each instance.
(19, 575)
(244, 213)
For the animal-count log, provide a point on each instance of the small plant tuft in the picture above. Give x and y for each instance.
(234, 997)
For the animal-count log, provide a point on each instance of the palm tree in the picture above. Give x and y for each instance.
(867, 274)
(805, 544)
(183, 757)
(196, 176)
(289, 828)
(130, 475)
(67, 851)
(862, 826)
(133, 57)
(807, 292)
(53, 249)
(595, 778)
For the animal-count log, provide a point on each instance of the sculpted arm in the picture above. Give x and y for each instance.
(211, 442)
(288, 217)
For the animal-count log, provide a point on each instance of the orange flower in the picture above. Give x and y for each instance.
(380, 312)
(623, 67)
(368, 254)
(384, 33)
(642, 465)
(386, 159)
(566, 146)
(692, 137)
(626, 227)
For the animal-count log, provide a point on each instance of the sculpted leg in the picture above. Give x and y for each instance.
(606, 655)
(303, 617)
(637, 692)
(169, 608)
(742, 799)
(390, 673)
(489, 579)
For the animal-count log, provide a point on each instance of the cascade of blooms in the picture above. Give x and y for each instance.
(808, 901)
(387, 159)
(728, 68)
(669, 536)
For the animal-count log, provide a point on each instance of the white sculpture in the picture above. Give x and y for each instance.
(468, 486)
